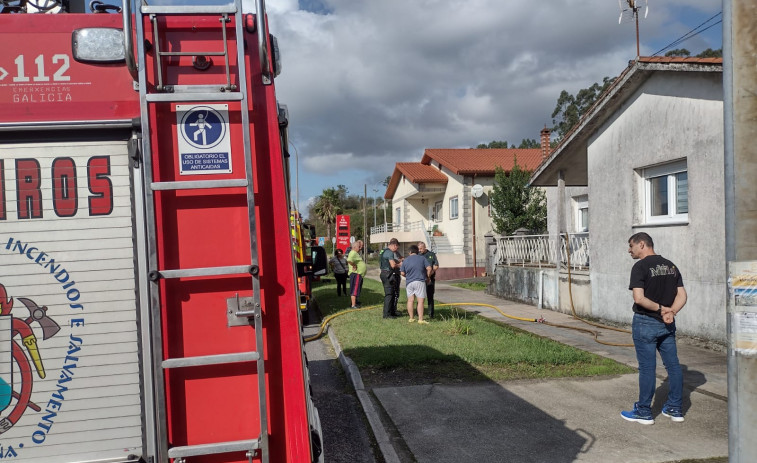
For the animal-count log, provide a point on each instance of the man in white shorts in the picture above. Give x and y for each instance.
(417, 271)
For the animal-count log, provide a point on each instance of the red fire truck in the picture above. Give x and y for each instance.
(305, 254)
(148, 289)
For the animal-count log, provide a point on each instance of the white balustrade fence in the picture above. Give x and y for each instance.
(542, 250)
(397, 227)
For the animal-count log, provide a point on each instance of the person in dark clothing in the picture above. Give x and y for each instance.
(658, 296)
(431, 282)
(416, 271)
(338, 265)
(389, 263)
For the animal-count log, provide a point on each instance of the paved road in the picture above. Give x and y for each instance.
(347, 437)
(556, 420)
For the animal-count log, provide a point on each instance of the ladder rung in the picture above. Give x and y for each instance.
(179, 97)
(206, 271)
(210, 360)
(189, 9)
(198, 184)
(212, 449)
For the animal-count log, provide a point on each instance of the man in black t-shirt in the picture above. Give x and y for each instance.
(658, 295)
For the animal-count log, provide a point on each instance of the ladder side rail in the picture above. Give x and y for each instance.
(143, 298)
(243, 83)
(159, 413)
(225, 21)
(158, 53)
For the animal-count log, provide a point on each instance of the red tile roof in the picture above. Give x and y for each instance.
(416, 172)
(679, 59)
(483, 161)
(461, 162)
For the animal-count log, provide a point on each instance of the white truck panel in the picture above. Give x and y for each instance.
(70, 251)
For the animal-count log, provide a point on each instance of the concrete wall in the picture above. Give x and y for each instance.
(575, 287)
(672, 116)
(522, 284)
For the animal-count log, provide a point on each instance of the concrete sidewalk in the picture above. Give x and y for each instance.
(560, 420)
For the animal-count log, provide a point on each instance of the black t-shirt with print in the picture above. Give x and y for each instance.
(660, 279)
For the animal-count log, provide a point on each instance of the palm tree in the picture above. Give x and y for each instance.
(327, 207)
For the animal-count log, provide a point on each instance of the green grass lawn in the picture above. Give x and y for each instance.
(455, 346)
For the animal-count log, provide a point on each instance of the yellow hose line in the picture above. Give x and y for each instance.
(573, 308)
(480, 304)
(326, 321)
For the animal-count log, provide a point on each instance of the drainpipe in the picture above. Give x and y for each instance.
(473, 215)
(541, 289)
(561, 228)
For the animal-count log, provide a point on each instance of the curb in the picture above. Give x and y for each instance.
(379, 432)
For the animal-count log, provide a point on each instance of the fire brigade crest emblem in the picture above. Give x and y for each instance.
(21, 356)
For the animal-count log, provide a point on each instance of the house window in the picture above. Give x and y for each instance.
(582, 213)
(438, 211)
(397, 216)
(453, 207)
(666, 193)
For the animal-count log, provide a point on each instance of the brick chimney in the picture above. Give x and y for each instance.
(545, 146)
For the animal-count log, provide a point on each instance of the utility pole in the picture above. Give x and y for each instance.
(740, 123)
(365, 220)
(375, 190)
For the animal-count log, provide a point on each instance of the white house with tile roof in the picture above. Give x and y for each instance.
(433, 201)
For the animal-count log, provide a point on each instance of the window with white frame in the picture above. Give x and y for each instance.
(582, 213)
(453, 207)
(666, 193)
(397, 216)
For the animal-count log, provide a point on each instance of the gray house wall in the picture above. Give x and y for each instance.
(673, 115)
(568, 209)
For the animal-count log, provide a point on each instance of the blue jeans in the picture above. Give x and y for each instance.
(649, 336)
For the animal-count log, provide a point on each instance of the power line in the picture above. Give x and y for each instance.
(692, 33)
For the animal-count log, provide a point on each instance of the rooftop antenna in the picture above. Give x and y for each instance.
(633, 11)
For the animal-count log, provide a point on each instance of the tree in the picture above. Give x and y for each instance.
(710, 53)
(493, 144)
(570, 108)
(327, 207)
(528, 143)
(516, 205)
(678, 52)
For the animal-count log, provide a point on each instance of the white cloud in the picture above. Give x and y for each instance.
(371, 83)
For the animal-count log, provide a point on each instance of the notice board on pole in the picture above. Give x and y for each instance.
(342, 232)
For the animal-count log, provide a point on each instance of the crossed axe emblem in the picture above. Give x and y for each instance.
(49, 329)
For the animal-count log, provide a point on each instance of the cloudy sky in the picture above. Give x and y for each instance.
(369, 83)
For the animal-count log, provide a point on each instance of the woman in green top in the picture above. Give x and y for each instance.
(357, 273)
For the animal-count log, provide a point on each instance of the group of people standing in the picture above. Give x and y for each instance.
(418, 268)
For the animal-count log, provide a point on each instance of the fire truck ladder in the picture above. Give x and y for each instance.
(247, 311)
